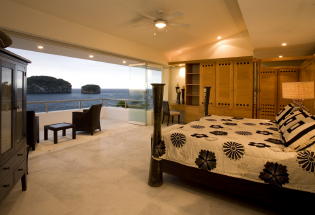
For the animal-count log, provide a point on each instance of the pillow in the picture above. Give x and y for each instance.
(300, 135)
(284, 112)
(293, 117)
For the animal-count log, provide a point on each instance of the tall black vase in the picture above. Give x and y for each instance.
(183, 96)
(178, 95)
(206, 92)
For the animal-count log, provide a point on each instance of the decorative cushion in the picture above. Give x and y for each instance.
(293, 117)
(284, 112)
(300, 135)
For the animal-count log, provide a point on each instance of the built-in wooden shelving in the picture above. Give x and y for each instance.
(192, 83)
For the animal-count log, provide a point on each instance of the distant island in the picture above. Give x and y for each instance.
(47, 85)
(91, 89)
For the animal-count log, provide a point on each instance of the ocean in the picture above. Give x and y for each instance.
(76, 94)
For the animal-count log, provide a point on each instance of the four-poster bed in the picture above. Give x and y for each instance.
(223, 165)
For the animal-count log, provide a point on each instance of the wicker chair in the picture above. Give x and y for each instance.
(167, 112)
(88, 120)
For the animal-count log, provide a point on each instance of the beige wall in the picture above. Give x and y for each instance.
(22, 19)
(235, 46)
(308, 74)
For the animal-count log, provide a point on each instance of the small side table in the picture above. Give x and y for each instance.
(57, 127)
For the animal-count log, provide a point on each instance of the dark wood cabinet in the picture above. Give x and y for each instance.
(13, 152)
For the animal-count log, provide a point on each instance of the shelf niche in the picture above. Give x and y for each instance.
(192, 84)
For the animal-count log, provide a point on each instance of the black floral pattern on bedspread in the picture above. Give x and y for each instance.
(206, 160)
(275, 174)
(216, 126)
(219, 133)
(249, 123)
(244, 133)
(226, 120)
(178, 139)
(258, 145)
(274, 141)
(230, 123)
(265, 123)
(198, 126)
(199, 135)
(233, 150)
(263, 132)
(306, 160)
(273, 128)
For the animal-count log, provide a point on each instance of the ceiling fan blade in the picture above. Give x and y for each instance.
(147, 16)
(179, 24)
(174, 15)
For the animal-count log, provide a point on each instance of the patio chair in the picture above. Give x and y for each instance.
(32, 128)
(88, 120)
(167, 112)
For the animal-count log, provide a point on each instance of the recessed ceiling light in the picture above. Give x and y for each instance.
(219, 37)
(160, 24)
(280, 56)
(284, 44)
(91, 56)
(40, 47)
(124, 62)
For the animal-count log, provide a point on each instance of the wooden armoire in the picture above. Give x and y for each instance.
(243, 86)
(232, 87)
(13, 151)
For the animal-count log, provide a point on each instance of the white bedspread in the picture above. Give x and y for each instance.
(243, 148)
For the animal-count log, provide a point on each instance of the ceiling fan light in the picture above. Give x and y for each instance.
(160, 24)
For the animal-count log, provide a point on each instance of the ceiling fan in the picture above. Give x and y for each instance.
(160, 19)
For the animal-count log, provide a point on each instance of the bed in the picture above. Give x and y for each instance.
(239, 155)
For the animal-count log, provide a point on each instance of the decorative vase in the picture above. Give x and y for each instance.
(183, 96)
(178, 95)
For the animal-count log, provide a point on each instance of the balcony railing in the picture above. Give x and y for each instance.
(83, 103)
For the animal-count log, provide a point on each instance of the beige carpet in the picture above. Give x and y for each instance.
(107, 174)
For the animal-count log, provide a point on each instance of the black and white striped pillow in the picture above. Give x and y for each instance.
(293, 117)
(300, 135)
(284, 112)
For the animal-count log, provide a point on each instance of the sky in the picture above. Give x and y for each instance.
(80, 72)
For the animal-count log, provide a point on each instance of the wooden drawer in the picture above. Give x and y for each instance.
(7, 168)
(5, 185)
(19, 171)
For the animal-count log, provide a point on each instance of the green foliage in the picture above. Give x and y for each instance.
(121, 103)
(47, 84)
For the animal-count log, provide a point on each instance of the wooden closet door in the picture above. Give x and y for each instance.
(207, 78)
(243, 88)
(290, 74)
(267, 93)
(224, 85)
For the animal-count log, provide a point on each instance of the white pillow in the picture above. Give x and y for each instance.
(293, 118)
(300, 135)
(284, 112)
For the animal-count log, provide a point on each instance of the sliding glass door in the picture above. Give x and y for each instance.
(140, 91)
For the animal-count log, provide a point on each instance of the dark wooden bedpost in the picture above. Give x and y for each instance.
(155, 174)
(207, 98)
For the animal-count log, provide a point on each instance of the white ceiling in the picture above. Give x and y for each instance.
(269, 22)
(207, 19)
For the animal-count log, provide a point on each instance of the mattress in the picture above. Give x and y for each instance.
(250, 149)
